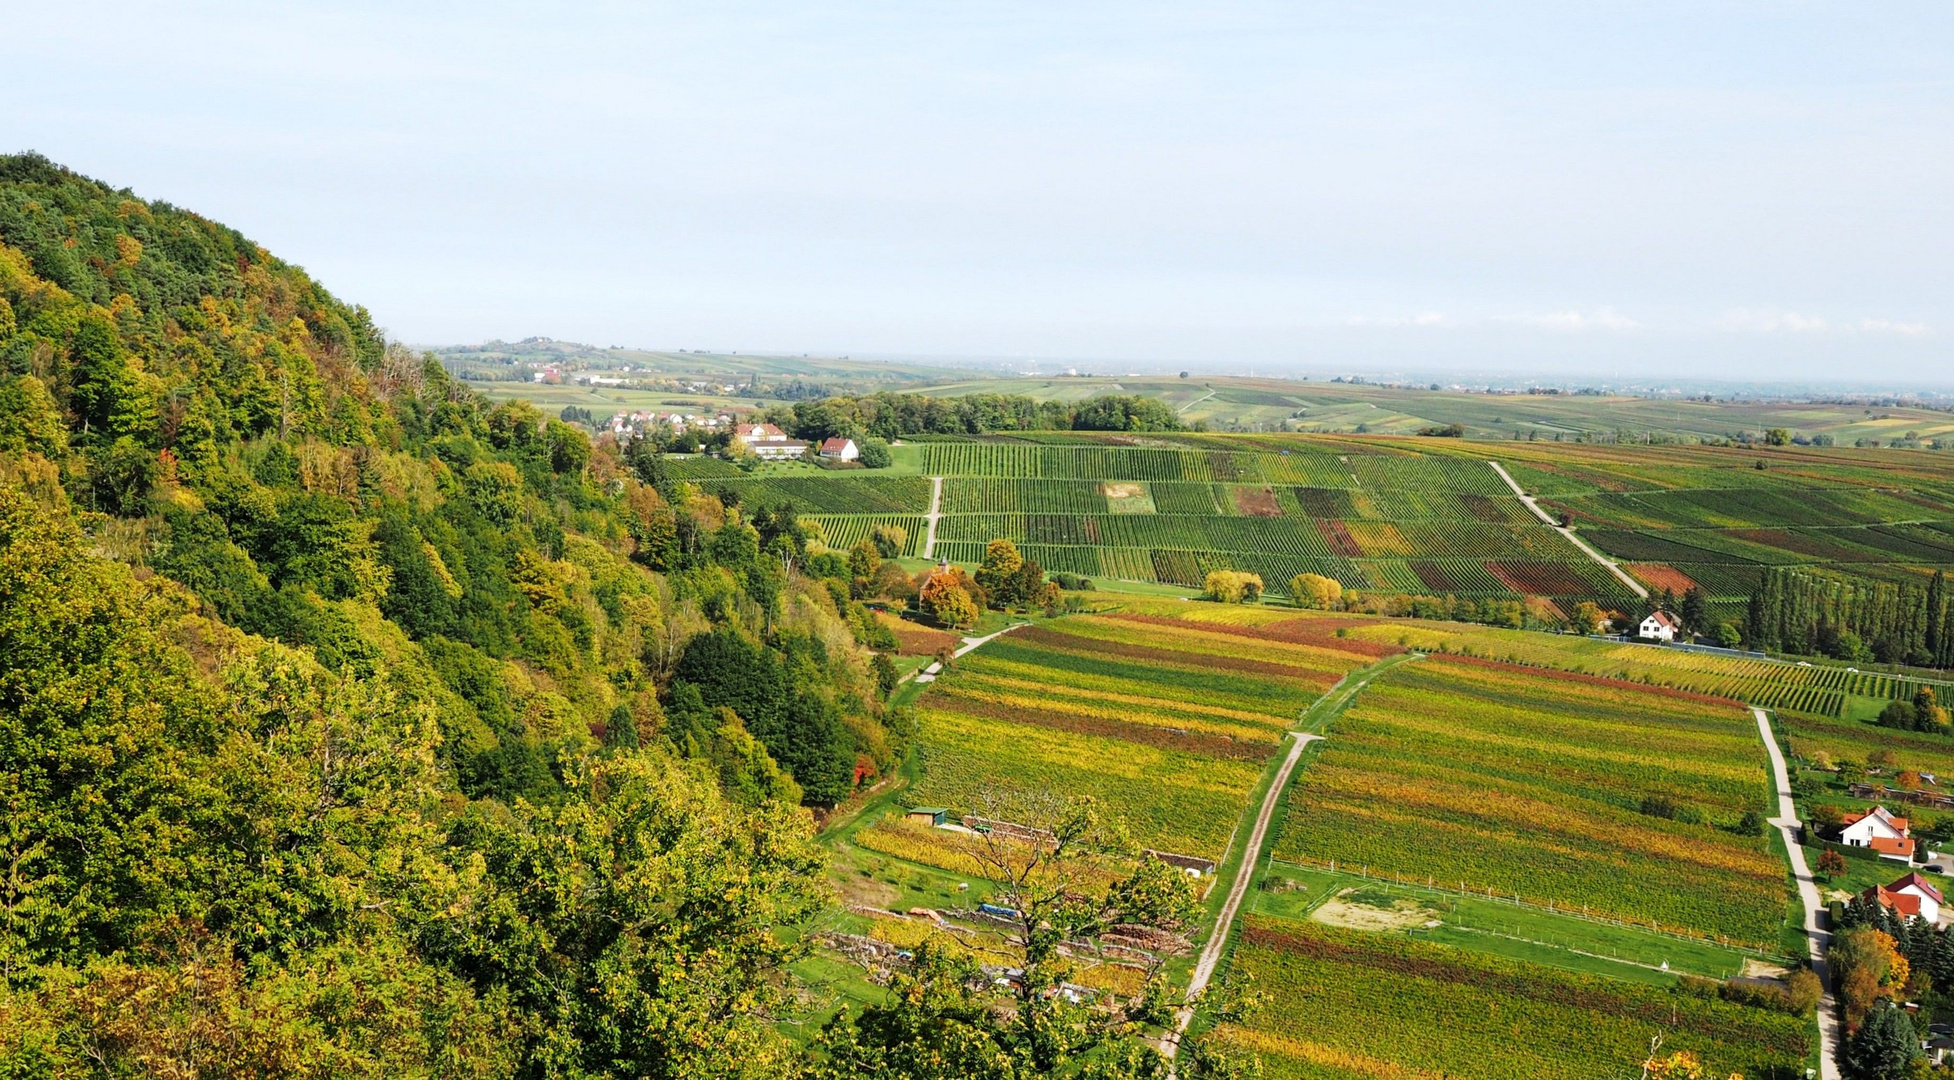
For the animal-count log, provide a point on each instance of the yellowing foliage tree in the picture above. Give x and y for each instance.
(1315, 591)
(1233, 587)
(1587, 618)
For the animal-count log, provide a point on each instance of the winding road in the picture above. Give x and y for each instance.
(1613, 567)
(1787, 823)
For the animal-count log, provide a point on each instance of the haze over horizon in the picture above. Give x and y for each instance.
(1733, 191)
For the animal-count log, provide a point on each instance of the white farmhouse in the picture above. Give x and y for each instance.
(838, 449)
(1879, 830)
(1660, 626)
(768, 441)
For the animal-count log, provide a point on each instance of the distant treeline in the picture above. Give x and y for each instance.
(890, 415)
(1808, 611)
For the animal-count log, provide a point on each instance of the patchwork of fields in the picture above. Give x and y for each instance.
(1397, 522)
(1167, 724)
(1710, 516)
(1531, 784)
(1418, 516)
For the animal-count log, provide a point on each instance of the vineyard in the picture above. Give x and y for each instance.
(1167, 724)
(1399, 515)
(1718, 516)
(1344, 1005)
(845, 531)
(1393, 522)
(1821, 690)
(1532, 784)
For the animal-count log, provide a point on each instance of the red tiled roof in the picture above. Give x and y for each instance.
(1662, 619)
(834, 445)
(1887, 845)
(1904, 903)
(1915, 881)
(1857, 816)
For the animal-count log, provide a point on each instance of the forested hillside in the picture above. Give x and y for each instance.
(350, 725)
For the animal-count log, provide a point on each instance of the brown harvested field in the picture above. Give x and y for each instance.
(917, 640)
(1340, 539)
(1257, 502)
(1659, 576)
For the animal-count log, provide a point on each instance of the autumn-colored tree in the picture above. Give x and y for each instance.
(1868, 966)
(944, 598)
(1315, 591)
(1233, 587)
(1831, 863)
(1588, 618)
(1001, 560)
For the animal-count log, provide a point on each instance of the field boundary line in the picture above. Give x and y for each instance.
(1613, 567)
(1326, 707)
(1819, 938)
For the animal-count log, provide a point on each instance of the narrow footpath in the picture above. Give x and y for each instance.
(936, 505)
(1613, 567)
(1321, 713)
(1787, 823)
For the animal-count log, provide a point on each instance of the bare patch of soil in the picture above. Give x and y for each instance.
(1401, 915)
(1257, 502)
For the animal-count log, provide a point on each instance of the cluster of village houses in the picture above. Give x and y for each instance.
(1890, 837)
(625, 425)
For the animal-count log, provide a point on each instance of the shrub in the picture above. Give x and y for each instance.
(875, 453)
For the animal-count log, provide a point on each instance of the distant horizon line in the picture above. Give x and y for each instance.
(1010, 366)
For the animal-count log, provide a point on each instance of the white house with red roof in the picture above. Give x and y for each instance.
(1879, 830)
(840, 449)
(1661, 626)
(1911, 895)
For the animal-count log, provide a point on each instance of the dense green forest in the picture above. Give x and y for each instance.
(351, 726)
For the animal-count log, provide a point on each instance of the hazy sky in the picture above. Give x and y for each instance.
(1701, 188)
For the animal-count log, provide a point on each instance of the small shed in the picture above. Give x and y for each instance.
(928, 815)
